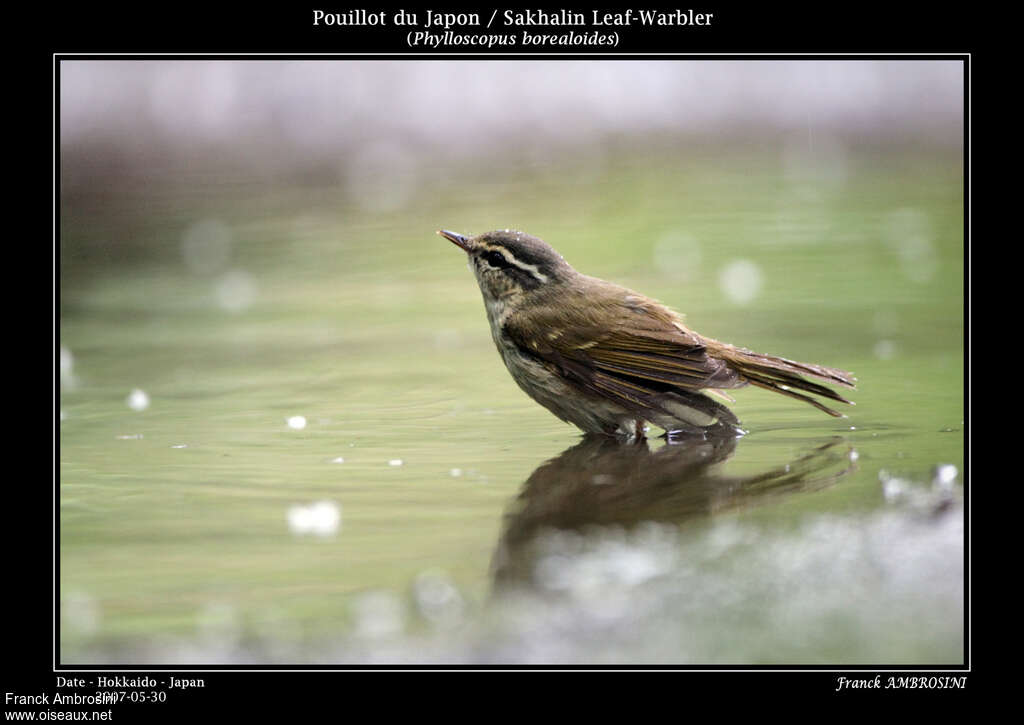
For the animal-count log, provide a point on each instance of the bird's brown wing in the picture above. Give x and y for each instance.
(619, 345)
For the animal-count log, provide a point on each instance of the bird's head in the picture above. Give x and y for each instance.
(511, 265)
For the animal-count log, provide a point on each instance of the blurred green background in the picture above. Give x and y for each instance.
(285, 434)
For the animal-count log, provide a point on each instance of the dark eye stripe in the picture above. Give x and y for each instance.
(528, 278)
(496, 259)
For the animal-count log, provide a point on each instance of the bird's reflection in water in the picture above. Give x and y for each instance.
(601, 485)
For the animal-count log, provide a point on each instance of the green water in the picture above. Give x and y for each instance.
(175, 538)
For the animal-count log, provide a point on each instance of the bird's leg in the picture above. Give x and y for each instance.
(632, 431)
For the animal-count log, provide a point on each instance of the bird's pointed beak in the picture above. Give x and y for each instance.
(456, 239)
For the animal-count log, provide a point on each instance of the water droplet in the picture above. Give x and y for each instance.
(80, 612)
(138, 400)
(741, 281)
(885, 349)
(893, 487)
(438, 599)
(67, 365)
(236, 291)
(322, 518)
(945, 474)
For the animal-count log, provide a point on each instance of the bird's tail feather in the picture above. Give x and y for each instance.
(786, 377)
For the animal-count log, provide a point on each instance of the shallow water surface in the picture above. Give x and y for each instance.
(304, 447)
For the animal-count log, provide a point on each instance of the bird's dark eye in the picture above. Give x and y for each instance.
(496, 259)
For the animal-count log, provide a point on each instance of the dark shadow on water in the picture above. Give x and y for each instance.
(601, 482)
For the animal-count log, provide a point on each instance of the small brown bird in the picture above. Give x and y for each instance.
(606, 358)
